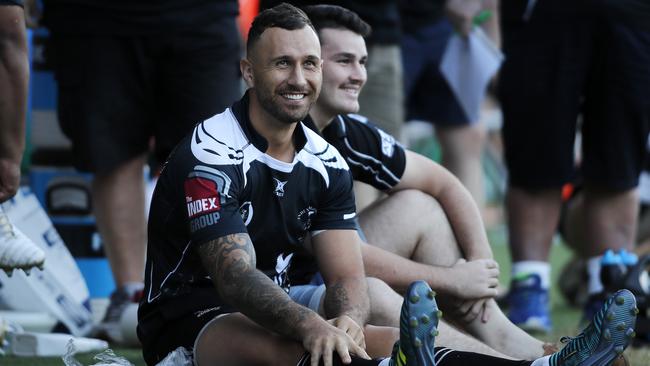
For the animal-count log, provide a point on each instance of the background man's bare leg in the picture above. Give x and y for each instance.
(118, 199)
(414, 226)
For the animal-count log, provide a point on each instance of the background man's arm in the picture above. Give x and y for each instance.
(14, 76)
(338, 253)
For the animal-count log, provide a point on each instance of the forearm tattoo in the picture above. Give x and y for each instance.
(230, 261)
(337, 302)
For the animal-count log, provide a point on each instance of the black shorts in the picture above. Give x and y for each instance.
(160, 336)
(116, 92)
(428, 95)
(561, 64)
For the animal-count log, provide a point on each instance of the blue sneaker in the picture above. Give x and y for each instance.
(606, 337)
(528, 304)
(418, 327)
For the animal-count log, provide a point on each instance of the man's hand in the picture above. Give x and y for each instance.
(322, 339)
(351, 328)
(9, 178)
(468, 311)
(461, 13)
(475, 279)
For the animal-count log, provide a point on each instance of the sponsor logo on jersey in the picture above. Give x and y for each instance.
(246, 212)
(203, 221)
(387, 143)
(279, 187)
(201, 196)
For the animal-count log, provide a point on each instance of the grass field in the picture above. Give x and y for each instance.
(565, 318)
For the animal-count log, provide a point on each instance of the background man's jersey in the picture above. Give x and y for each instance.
(374, 156)
(219, 181)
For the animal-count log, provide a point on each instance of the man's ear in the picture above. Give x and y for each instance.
(246, 68)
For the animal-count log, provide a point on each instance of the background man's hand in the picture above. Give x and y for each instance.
(9, 178)
(474, 280)
(461, 13)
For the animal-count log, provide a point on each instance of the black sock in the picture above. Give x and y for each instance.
(449, 357)
(336, 361)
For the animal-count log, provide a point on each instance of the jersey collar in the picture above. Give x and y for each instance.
(240, 110)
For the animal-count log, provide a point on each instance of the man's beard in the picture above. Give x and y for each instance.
(285, 115)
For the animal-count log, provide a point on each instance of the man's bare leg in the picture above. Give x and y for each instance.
(118, 199)
(610, 219)
(413, 225)
(462, 148)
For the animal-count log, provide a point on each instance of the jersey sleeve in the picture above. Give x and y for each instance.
(374, 156)
(211, 202)
(336, 207)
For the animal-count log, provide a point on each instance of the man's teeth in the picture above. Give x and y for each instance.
(294, 96)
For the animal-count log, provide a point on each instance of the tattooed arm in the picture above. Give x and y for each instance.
(230, 261)
(338, 253)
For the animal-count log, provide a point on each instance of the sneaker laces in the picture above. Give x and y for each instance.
(6, 227)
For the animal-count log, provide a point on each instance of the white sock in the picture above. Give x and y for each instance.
(595, 286)
(542, 269)
(541, 361)
(384, 362)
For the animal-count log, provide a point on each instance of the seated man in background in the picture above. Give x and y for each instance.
(428, 227)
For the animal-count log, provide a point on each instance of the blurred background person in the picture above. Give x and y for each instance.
(132, 74)
(565, 59)
(16, 251)
(427, 26)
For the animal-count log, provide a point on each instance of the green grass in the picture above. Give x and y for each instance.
(565, 318)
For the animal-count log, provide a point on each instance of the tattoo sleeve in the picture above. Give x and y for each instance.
(340, 300)
(230, 261)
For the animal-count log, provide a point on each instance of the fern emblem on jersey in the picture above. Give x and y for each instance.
(281, 277)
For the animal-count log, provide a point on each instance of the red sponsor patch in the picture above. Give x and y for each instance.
(201, 196)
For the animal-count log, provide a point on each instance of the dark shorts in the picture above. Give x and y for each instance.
(115, 93)
(428, 96)
(160, 336)
(562, 64)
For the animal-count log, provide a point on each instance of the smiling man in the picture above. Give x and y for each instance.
(231, 211)
(428, 227)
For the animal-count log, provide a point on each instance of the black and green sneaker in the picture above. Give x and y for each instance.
(418, 327)
(611, 330)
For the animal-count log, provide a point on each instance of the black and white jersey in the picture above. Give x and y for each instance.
(219, 181)
(374, 156)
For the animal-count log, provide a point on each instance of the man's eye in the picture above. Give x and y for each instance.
(310, 64)
(282, 63)
(344, 61)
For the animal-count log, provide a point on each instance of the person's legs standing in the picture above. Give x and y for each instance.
(541, 85)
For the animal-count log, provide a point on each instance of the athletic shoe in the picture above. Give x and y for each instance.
(109, 329)
(528, 304)
(605, 339)
(17, 251)
(418, 327)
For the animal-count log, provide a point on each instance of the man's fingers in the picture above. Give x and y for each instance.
(486, 313)
(343, 352)
(359, 351)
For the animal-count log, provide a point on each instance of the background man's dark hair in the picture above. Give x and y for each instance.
(337, 17)
(285, 16)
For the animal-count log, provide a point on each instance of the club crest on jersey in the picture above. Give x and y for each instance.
(279, 187)
(304, 216)
(246, 212)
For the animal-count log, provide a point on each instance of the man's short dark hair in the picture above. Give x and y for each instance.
(285, 16)
(337, 17)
